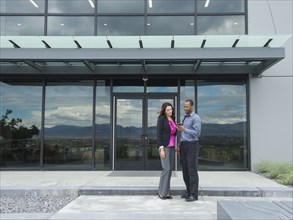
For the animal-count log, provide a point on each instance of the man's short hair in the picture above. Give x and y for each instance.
(190, 101)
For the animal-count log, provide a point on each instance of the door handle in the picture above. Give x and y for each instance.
(146, 138)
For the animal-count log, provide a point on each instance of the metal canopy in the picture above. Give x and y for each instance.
(151, 55)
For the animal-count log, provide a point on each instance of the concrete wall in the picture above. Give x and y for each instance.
(271, 96)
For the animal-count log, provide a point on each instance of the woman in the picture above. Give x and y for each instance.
(166, 132)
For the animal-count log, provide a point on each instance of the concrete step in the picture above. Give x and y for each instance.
(148, 190)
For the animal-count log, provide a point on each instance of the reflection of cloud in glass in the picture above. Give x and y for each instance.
(132, 25)
(70, 26)
(24, 101)
(22, 25)
(129, 112)
(161, 25)
(74, 115)
(174, 6)
(61, 6)
(125, 6)
(68, 105)
(221, 25)
(222, 104)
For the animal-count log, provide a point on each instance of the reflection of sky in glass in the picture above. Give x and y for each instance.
(222, 104)
(68, 105)
(173, 6)
(24, 101)
(154, 107)
(103, 108)
(73, 6)
(220, 6)
(118, 25)
(22, 25)
(129, 112)
(186, 92)
(21, 6)
(220, 25)
(120, 6)
(81, 26)
(170, 25)
(160, 89)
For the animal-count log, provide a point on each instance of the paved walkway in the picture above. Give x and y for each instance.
(133, 193)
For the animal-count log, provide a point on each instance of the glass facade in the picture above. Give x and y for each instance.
(122, 17)
(109, 122)
(223, 110)
(72, 142)
(102, 144)
(20, 125)
(68, 125)
(60, 26)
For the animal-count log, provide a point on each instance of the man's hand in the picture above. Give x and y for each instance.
(177, 150)
(180, 128)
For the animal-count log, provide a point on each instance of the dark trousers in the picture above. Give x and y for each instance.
(189, 159)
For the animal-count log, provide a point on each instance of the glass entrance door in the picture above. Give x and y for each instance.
(135, 131)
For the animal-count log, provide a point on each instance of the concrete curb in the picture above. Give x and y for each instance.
(203, 191)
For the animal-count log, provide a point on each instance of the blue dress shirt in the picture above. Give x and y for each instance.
(192, 124)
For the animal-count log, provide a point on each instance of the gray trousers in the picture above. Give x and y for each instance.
(167, 165)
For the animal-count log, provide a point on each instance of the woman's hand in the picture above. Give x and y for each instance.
(162, 153)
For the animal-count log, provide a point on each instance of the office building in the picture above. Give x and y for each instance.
(82, 81)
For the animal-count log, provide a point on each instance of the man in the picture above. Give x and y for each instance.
(189, 150)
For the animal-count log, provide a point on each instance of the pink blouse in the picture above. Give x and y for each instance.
(172, 136)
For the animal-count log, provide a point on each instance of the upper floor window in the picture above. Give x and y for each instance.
(120, 6)
(66, 6)
(21, 6)
(22, 25)
(120, 25)
(220, 6)
(170, 25)
(170, 6)
(215, 25)
(70, 25)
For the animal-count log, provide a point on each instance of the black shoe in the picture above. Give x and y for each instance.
(169, 197)
(184, 196)
(162, 197)
(191, 198)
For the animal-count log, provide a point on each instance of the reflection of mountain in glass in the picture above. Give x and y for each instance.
(69, 131)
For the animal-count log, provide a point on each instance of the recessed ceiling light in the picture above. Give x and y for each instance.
(105, 24)
(150, 3)
(191, 23)
(19, 24)
(235, 23)
(62, 24)
(91, 3)
(207, 3)
(34, 4)
(148, 24)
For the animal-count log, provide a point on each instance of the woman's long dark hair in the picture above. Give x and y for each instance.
(164, 106)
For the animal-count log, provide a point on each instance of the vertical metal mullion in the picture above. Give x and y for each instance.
(42, 125)
(248, 137)
(46, 19)
(145, 17)
(246, 16)
(195, 18)
(96, 19)
(94, 126)
(113, 129)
